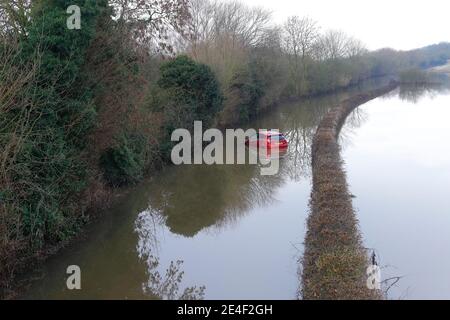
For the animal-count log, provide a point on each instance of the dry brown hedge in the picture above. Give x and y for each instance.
(335, 261)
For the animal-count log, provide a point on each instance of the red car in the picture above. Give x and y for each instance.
(267, 139)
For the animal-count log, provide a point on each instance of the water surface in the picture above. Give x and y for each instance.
(398, 164)
(226, 232)
(218, 232)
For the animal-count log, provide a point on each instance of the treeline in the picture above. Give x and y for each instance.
(85, 111)
(259, 63)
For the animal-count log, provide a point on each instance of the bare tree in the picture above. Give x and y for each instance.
(202, 19)
(272, 39)
(213, 20)
(335, 44)
(355, 48)
(300, 36)
(18, 114)
(14, 16)
(301, 33)
(245, 25)
(153, 22)
(222, 33)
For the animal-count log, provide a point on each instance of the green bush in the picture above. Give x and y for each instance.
(260, 78)
(186, 91)
(192, 84)
(125, 163)
(249, 89)
(49, 170)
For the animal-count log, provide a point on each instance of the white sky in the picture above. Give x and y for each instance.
(399, 24)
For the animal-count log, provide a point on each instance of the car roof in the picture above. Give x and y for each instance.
(267, 133)
(270, 133)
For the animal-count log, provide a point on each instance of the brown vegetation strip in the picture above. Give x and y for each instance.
(335, 261)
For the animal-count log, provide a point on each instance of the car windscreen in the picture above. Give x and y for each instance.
(277, 138)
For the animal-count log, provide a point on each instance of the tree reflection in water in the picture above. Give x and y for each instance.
(413, 93)
(354, 121)
(162, 286)
(194, 198)
(189, 199)
(408, 93)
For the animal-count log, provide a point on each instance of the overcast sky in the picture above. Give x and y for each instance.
(399, 24)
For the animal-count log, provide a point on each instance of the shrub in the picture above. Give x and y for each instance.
(186, 91)
(125, 163)
(249, 89)
(194, 85)
(48, 169)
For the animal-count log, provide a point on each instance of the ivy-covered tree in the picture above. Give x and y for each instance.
(52, 172)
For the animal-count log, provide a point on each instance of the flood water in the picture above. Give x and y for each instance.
(398, 166)
(226, 232)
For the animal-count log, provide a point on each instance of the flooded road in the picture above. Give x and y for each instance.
(398, 167)
(226, 232)
(217, 232)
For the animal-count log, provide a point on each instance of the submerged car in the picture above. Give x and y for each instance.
(267, 139)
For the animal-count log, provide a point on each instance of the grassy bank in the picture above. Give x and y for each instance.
(335, 261)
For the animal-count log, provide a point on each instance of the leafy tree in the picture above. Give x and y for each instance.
(192, 84)
(249, 88)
